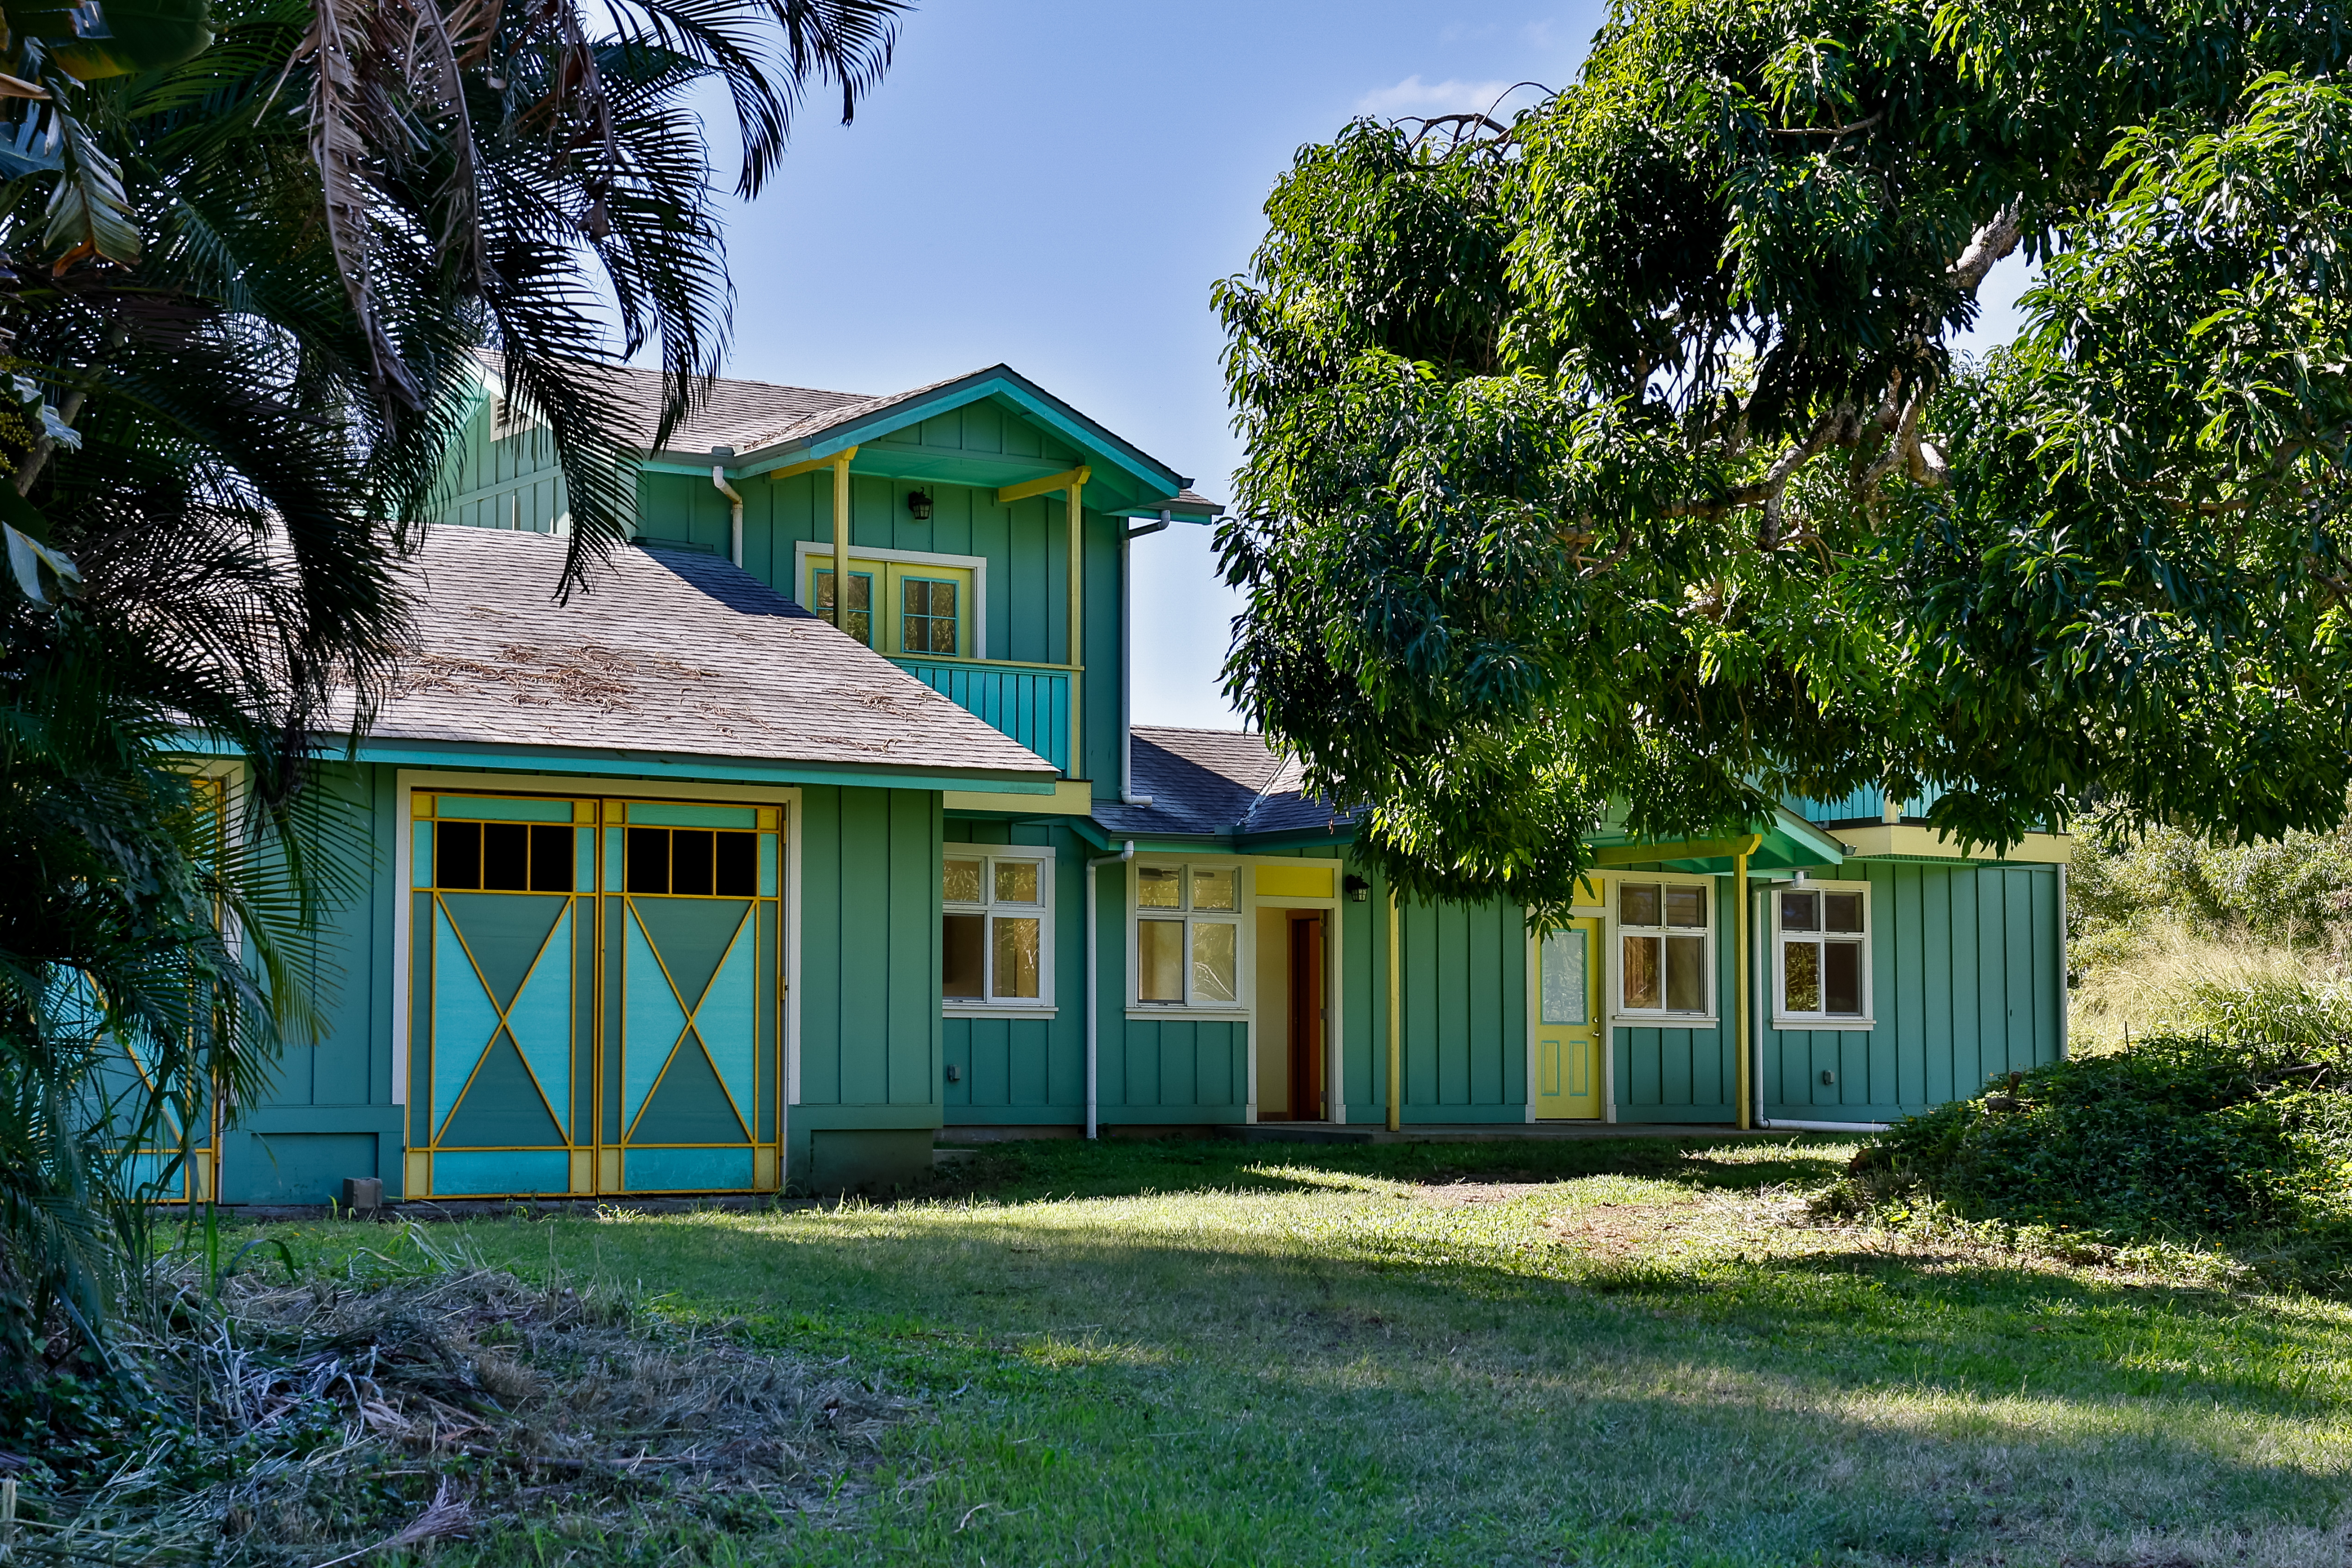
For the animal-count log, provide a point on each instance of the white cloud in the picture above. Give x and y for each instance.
(1414, 96)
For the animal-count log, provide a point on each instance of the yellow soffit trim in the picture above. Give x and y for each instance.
(1027, 487)
(1694, 849)
(1926, 843)
(794, 471)
(1071, 797)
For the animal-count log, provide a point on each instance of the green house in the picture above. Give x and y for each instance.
(816, 830)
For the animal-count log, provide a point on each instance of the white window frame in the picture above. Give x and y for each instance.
(1776, 970)
(1659, 1018)
(976, 565)
(988, 1005)
(1241, 917)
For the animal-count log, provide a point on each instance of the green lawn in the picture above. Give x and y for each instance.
(1587, 1353)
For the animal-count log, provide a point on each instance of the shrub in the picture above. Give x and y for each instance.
(2223, 1136)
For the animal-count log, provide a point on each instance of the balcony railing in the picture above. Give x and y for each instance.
(1030, 702)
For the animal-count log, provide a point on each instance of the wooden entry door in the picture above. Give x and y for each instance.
(1567, 1027)
(1307, 1015)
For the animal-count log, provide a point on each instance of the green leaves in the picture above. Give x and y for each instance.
(1629, 446)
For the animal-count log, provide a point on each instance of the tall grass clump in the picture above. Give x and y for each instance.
(2237, 1136)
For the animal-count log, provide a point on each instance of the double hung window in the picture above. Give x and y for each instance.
(1822, 933)
(1188, 936)
(1666, 944)
(996, 927)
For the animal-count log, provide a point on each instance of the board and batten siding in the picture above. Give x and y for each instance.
(1464, 1044)
(869, 1032)
(1032, 1071)
(1967, 985)
(510, 482)
(328, 1112)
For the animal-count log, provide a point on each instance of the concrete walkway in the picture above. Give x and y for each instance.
(1481, 1132)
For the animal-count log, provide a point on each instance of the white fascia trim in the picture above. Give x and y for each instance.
(1196, 1015)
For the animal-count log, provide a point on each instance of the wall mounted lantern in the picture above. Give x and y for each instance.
(918, 505)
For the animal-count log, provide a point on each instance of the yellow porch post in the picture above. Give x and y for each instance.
(1746, 981)
(1396, 1023)
(1078, 615)
(840, 541)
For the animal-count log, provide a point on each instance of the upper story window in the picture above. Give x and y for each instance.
(900, 602)
(1666, 945)
(1821, 935)
(996, 926)
(1187, 939)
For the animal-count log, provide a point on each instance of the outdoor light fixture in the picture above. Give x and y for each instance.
(1358, 888)
(918, 505)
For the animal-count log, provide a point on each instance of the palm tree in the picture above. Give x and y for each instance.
(253, 255)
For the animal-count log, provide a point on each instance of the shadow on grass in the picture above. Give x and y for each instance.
(1899, 1409)
(1062, 1168)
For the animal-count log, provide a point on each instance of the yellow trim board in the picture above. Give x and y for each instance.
(1066, 479)
(1611, 855)
(1071, 797)
(1911, 839)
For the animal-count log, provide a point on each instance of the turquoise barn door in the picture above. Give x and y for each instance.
(503, 976)
(691, 1062)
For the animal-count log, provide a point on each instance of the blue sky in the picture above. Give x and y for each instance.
(1055, 183)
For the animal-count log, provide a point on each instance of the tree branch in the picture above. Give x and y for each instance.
(1988, 246)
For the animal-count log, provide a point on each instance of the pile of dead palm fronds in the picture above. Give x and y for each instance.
(425, 1395)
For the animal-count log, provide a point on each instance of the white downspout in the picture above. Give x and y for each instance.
(1093, 965)
(1126, 796)
(734, 502)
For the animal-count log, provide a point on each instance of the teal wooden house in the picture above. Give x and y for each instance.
(818, 829)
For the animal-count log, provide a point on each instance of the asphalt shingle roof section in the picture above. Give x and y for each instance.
(744, 414)
(1205, 783)
(669, 652)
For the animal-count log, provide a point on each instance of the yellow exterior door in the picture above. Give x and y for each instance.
(1567, 989)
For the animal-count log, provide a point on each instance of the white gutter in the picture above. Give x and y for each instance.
(1126, 796)
(735, 504)
(1094, 967)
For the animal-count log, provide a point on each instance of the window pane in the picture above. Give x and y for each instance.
(1016, 882)
(1212, 889)
(1800, 912)
(927, 620)
(457, 854)
(690, 852)
(960, 954)
(648, 860)
(1637, 904)
(550, 859)
(506, 856)
(861, 603)
(1841, 979)
(1685, 975)
(1565, 982)
(1642, 986)
(1017, 957)
(960, 883)
(1842, 912)
(1216, 968)
(739, 865)
(1686, 906)
(1159, 961)
(1159, 887)
(1801, 977)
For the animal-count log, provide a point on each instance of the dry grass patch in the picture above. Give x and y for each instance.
(309, 1419)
